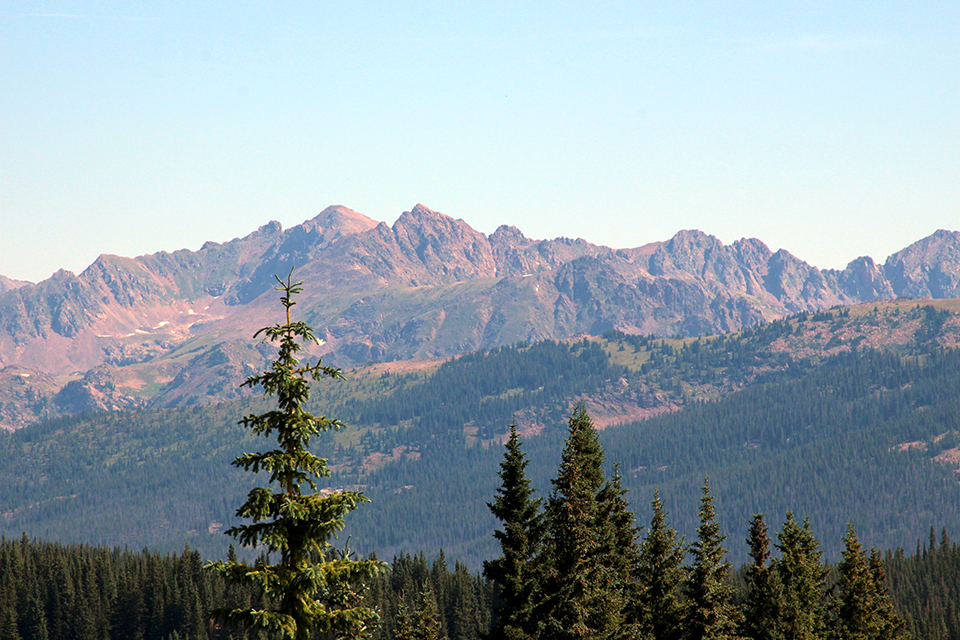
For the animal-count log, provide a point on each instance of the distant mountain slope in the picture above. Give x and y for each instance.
(428, 286)
(844, 414)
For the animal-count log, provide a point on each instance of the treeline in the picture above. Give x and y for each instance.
(114, 479)
(827, 444)
(421, 599)
(50, 591)
(926, 588)
(832, 443)
(824, 444)
(731, 361)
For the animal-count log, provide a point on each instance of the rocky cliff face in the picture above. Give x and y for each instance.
(175, 327)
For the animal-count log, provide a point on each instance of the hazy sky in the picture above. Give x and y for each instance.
(827, 128)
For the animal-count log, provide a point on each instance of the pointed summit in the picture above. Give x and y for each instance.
(450, 249)
(928, 268)
(338, 221)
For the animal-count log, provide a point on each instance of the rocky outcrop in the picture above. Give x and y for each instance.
(516, 255)
(96, 391)
(863, 280)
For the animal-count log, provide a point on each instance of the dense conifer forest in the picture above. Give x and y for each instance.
(573, 564)
(63, 592)
(553, 550)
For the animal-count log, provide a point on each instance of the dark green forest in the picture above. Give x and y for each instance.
(849, 433)
(56, 591)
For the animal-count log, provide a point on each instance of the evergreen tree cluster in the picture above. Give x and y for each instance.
(419, 600)
(50, 591)
(578, 568)
(63, 592)
(926, 587)
(76, 592)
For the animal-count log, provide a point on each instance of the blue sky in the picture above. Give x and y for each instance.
(830, 129)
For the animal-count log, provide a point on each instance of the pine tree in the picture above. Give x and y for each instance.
(33, 624)
(464, 617)
(855, 605)
(710, 614)
(312, 587)
(761, 610)
(659, 574)
(574, 586)
(618, 555)
(802, 577)
(620, 542)
(516, 571)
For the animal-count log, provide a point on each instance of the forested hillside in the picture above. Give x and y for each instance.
(853, 440)
(830, 414)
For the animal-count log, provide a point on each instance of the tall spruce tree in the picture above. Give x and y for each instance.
(660, 572)
(576, 584)
(761, 610)
(312, 587)
(855, 602)
(802, 577)
(517, 571)
(710, 613)
(862, 608)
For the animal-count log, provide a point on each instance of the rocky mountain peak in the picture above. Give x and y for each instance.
(428, 286)
(450, 249)
(863, 279)
(927, 268)
(272, 228)
(508, 235)
(337, 221)
(752, 252)
(687, 252)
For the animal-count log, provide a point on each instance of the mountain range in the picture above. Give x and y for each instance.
(172, 328)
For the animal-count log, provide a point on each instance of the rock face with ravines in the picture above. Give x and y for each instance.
(169, 327)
